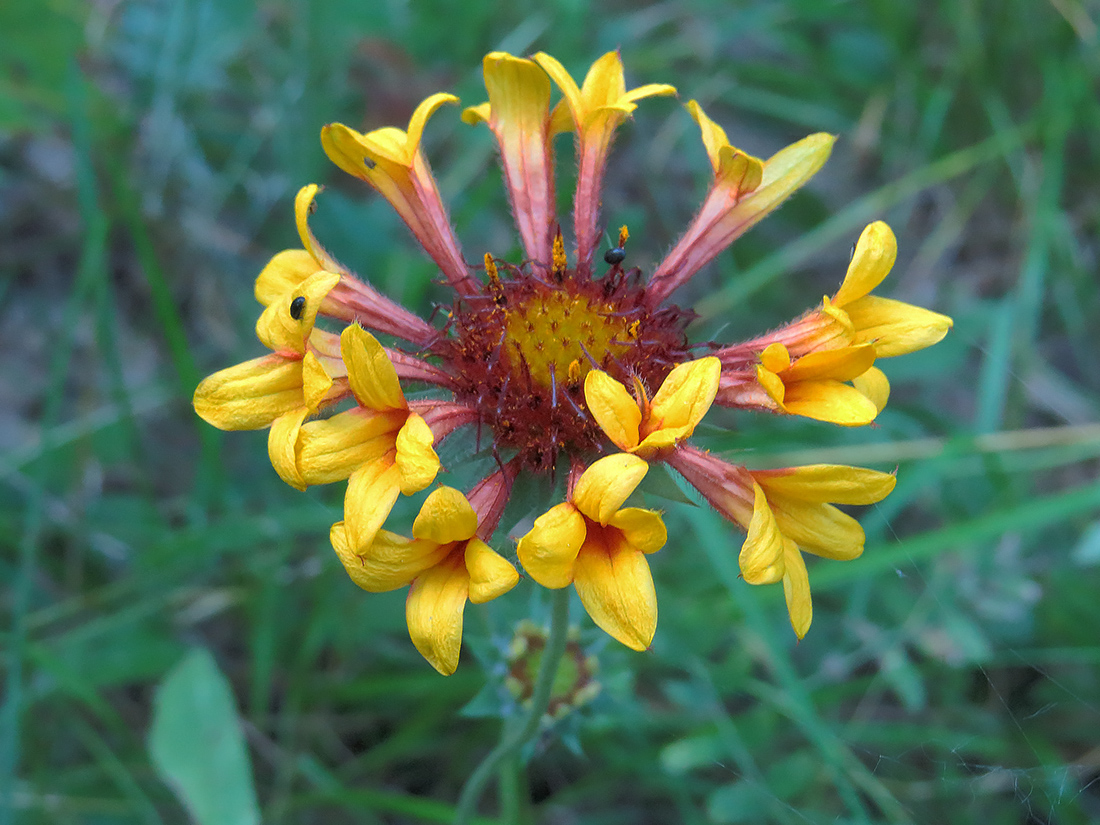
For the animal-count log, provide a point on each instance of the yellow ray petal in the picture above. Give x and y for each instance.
(874, 256)
(434, 610)
(605, 485)
(446, 516)
(820, 529)
(550, 548)
(371, 374)
(642, 529)
(796, 589)
(250, 396)
(684, 397)
(761, 557)
(875, 386)
(842, 364)
(332, 449)
(834, 483)
(416, 459)
(830, 401)
(372, 491)
(895, 327)
(614, 409)
(283, 273)
(616, 588)
(491, 574)
(282, 447)
(391, 561)
(303, 208)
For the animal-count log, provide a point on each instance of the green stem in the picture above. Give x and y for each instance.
(540, 699)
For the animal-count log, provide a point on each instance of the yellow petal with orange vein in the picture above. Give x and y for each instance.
(616, 588)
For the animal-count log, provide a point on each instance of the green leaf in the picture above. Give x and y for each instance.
(197, 747)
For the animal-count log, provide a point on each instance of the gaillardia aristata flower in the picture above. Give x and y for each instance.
(559, 364)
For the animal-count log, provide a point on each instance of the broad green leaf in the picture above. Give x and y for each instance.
(197, 746)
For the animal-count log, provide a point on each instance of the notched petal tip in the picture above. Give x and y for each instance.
(606, 484)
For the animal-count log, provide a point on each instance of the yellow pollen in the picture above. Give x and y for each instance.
(491, 271)
(575, 371)
(632, 330)
(559, 334)
(624, 235)
(559, 261)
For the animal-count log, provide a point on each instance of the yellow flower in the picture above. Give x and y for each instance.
(518, 112)
(594, 111)
(381, 446)
(597, 545)
(446, 564)
(645, 427)
(784, 511)
(545, 358)
(745, 189)
(390, 160)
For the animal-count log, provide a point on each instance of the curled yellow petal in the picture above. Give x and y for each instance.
(446, 516)
(605, 485)
(285, 325)
(416, 459)
(796, 589)
(391, 561)
(616, 588)
(333, 448)
(371, 374)
(613, 408)
(874, 256)
(550, 547)
(761, 558)
(372, 491)
(831, 401)
(303, 208)
(642, 529)
(821, 529)
(250, 396)
(282, 447)
(283, 273)
(434, 610)
(875, 386)
(684, 397)
(491, 574)
(842, 364)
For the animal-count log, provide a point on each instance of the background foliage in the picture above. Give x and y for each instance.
(159, 578)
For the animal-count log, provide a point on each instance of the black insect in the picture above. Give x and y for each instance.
(297, 307)
(615, 256)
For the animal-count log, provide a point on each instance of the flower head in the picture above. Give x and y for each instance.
(557, 363)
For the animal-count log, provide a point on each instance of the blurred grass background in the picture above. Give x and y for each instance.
(149, 154)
